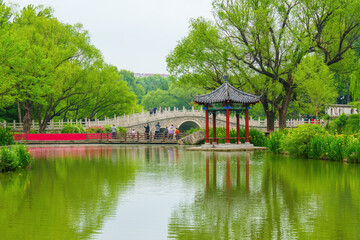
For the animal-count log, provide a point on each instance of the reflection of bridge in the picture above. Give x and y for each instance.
(183, 119)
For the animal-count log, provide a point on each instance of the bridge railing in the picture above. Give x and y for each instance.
(135, 119)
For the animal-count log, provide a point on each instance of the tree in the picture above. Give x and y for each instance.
(174, 97)
(7, 49)
(269, 38)
(314, 80)
(110, 96)
(132, 83)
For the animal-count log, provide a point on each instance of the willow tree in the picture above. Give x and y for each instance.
(270, 38)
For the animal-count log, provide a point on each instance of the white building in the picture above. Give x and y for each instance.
(335, 110)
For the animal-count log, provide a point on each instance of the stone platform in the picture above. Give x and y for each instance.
(227, 148)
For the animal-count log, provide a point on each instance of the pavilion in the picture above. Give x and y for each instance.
(226, 98)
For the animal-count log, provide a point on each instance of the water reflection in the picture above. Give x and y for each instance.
(274, 197)
(111, 192)
(65, 195)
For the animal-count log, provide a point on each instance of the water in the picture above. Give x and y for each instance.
(166, 192)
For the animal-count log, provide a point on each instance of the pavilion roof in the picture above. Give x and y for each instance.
(226, 92)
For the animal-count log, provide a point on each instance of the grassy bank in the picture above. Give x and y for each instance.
(312, 141)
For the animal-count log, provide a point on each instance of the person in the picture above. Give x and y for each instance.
(161, 110)
(113, 131)
(171, 131)
(147, 131)
(133, 133)
(157, 130)
(177, 134)
(151, 110)
(166, 131)
(155, 108)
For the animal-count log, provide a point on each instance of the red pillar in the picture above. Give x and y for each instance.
(246, 125)
(227, 124)
(206, 126)
(214, 126)
(238, 128)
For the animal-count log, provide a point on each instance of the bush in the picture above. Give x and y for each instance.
(297, 141)
(6, 136)
(96, 129)
(256, 137)
(73, 128)
(273, 140)
(338, 125)
(12, 158)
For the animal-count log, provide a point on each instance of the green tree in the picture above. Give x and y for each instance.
(7, 51)
(315, 88)
(110, 95)
(154, 82)
(270, 38)
(132, 83)
(174, 97)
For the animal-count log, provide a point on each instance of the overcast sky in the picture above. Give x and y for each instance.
(136, 35)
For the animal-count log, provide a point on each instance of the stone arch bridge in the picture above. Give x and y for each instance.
(183, 119)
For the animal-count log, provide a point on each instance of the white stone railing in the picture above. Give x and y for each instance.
(142, 118)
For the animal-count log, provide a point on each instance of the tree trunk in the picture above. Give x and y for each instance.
(19, 111)
(270, 114)
(28, 116)
(270, 120)
(283, 108)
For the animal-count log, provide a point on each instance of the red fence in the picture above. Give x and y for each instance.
(61, 136)
(125, 137)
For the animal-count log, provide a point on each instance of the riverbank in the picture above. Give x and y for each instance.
(314, 142)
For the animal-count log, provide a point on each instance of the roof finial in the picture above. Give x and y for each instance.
(226, 79)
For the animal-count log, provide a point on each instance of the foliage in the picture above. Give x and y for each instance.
(6, 136)
(118, 129)
(96, 129)
(261, 43)
(12, 158)
(297, 140)
(174, 97)
(52, 70)
(311, 141)
(152, 83)
(73, 128)
(338, 125)
(274, 139)
(132, 83)
(256, 137)
(315, 87)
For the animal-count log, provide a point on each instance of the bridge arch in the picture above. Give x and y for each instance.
(188, 124)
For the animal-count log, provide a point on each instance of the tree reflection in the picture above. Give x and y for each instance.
(274, 197)
(68, 194)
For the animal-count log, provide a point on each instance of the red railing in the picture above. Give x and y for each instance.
(127, 137)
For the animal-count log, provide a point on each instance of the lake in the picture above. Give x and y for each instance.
(166, 192)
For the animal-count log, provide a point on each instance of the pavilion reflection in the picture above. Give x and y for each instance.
(228, 175)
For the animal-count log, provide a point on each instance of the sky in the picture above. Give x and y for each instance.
(135, 35)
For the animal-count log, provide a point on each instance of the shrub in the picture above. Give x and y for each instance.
(352, 151)
(96, 129)
(12, 158)
(273, 140)
(256, 137)
(73, 128)
(339, 123)
(6, 136)
(192, 130)
(297, 141)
